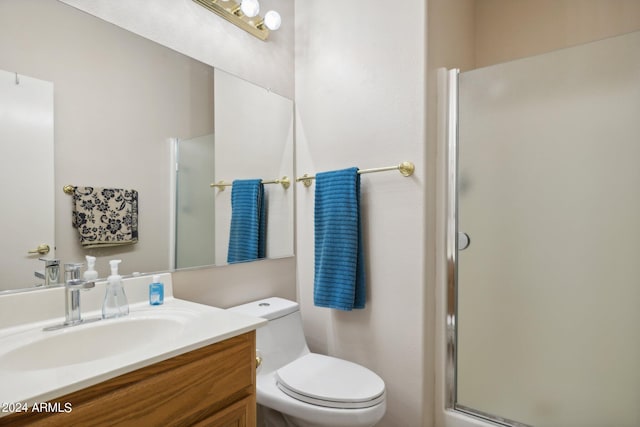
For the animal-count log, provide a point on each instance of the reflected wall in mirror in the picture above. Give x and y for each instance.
(26, 149)
(119, 100)
(253, 139)
(547, 312)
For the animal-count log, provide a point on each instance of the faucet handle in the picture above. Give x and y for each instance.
(51, 272)
(79, 284)
(72, 271)
(50, 262)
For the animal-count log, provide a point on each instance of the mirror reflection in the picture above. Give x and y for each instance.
(254, 139)
(26, 135)
(120, 102)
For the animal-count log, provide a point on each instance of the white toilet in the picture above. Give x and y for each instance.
(308, 389)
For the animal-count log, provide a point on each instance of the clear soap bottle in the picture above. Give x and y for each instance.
(115, 301)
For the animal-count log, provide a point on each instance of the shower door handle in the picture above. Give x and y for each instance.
(463, 241)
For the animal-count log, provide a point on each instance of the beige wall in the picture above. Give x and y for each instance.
(452, 32)
(360, 99)
(468, 34)
(507, 29)
(238, 283)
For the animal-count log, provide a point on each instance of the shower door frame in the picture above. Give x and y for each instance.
(451, 135)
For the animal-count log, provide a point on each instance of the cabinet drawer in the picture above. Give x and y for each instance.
(240, 414)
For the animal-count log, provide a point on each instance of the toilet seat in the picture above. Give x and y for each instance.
(330, 382)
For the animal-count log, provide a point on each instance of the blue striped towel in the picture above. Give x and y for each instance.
(339, 280)
(247, 237)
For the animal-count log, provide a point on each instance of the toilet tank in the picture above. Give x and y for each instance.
(281, 340)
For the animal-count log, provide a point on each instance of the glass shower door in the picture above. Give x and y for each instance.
(195, 202)
(548, 292)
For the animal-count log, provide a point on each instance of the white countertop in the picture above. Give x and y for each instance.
(197, 326)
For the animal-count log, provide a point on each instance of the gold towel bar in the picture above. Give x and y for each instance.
(284, 181)
(405, 168)
(69, 189)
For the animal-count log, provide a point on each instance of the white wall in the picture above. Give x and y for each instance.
(360, 98)
(193, 30)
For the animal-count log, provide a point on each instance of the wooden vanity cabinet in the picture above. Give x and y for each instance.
(211, 386)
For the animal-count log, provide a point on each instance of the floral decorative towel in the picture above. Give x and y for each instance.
(105, 216)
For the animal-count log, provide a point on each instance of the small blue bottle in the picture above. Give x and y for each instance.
(156, 291)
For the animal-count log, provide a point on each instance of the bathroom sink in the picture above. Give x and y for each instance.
(41, 360)
(91, 342)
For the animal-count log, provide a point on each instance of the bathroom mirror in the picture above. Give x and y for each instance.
(120, 101)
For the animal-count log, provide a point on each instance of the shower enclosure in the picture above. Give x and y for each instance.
(543, 306)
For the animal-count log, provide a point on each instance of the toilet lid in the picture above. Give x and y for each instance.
(331, 382)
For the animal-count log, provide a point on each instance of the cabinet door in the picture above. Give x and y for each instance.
(240, 414)
(215, 384)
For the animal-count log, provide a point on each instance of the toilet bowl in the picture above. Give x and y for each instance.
(309, 389)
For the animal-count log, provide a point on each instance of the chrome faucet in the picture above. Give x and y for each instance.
(72, 287)
(51, 273)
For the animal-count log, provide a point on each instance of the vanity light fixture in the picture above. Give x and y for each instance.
(245, 14)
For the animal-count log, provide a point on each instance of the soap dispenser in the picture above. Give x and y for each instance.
(156, 291)
(91, 274)
(115, 301)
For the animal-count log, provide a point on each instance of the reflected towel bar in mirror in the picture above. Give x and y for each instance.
(284, 181)
(405, 168)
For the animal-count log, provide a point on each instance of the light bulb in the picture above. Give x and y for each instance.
(272, 20)
(250, 8)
